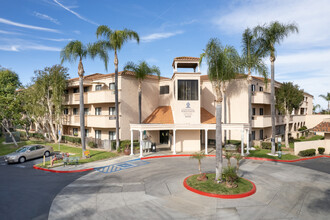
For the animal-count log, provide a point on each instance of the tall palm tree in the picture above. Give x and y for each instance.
(72, 51)
(142, 70)
(326, 98)
(269, 36)
(251, 60)
(114, 40)
(222, 67)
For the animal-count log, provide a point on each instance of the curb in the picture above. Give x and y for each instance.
(62, 171)
(221, 196)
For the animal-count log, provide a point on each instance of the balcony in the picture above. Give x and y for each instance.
(102, 96)
(73, 99)
(261, 98)
(98, 121)
(261, 121)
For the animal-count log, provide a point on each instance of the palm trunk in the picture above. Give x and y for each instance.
(225, 116)
(272, 106)
(199, 166)
(287, 129)
(140, 102)
(218, 159)
(250, 106)
(81, 106)
(116, 100)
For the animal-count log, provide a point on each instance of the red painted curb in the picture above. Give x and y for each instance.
(178, 155)
(62, 171)
(221, 196)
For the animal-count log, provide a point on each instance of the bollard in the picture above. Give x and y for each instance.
(44, 161)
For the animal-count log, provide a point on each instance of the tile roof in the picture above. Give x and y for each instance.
(161, 115)
(207, 117)
(186, 58)
(322, 127)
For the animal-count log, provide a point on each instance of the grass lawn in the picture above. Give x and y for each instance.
(313, 138)
(210, 186)
(263, 153)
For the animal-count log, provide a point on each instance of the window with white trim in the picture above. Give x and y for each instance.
(98, 111)
(98, 134)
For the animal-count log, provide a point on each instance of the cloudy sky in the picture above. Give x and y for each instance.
(32, 33)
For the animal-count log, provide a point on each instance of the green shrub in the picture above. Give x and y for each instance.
(235, 142)
(321, 150)
(22, 134)
(303, 128)
(92, 144)
(74, 140)
(306, 153)
(302, 138)
(229, 174)
(37, 135)
(123, 144)
(268, 146)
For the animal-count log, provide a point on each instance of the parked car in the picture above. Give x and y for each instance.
(28, 152)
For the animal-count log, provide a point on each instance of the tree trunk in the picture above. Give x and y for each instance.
(199, 166)
(272, 106)
(116, 100)
(250, 106)
(140, 102)
(287, 115)
(11, 135)
(82, 115)
(218, 159)
(225, 116)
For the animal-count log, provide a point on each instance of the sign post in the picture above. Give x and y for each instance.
(59, 141)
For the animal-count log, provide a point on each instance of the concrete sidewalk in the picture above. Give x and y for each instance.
(155, 191)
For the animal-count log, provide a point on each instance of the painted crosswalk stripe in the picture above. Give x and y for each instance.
(121, 166)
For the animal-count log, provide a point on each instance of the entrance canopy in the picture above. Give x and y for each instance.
(175, 127)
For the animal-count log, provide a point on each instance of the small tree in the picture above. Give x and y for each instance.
(238, 158)
(326, 98)
(198, 156)
(228, 156)
(288, 97)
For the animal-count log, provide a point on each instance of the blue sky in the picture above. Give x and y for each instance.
(32, 33)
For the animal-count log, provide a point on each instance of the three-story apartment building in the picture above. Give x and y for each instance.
(178, 111)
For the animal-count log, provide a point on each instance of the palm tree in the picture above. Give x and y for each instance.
(114, 40)
(270, 35)
(198, 156)
(141, 70)
(251, 60)
(72, 51)
(326, 98)
(317, 106)
(222, 67)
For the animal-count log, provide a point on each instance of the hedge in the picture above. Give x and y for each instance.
(306, 153)
(303, 128)
(92, 144)
(123, 143)
(74, 140)
(268, 145)
(321, 150)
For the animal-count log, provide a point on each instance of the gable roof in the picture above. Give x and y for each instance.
(324, 126)
(161, 115)
(207, 117)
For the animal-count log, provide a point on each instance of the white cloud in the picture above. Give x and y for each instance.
(5, 21)
(57, 40)
(17, 45)
(46, 17)
(75, 13)
(76, 32)
(157, 36)
(9, 32)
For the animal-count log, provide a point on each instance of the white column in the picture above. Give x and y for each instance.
(242, 143)
(199, 70)
(247, 141)
(141, 150)
(132, 143)
(174, 152)
(206, 152)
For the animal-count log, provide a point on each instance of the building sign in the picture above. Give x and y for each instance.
(187, 112)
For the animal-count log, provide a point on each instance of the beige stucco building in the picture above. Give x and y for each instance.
(178, 111)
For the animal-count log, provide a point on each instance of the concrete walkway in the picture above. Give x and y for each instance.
(155, 191)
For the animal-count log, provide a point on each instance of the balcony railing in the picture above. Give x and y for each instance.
(261, 98)
(98, 121)
(102, 96)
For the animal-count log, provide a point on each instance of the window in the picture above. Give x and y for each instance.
(98, 111)
(112, 135)
(39, 147)
(253, 111)
(261, 88)
(86, 111)
(86, 89)
(66, 111)
(253, 135)
(164, 90)
(75, 131)
(112, 86)
(253, 87)
(261, 134)
(187, 89)
(98, 87)
(98, 134)
(75, 90)
(261, 111)
(33, 148)
(75, 111)
(112, 111)
(66, 91)
(86, 132)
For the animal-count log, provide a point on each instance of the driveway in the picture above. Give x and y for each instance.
(155, 191)
(26, 193)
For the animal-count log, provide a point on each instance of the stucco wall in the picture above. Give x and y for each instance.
(187, 141)
(313, 120)
(299, 146)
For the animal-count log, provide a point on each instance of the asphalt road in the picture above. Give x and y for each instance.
(320, 164)
(26, 193)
